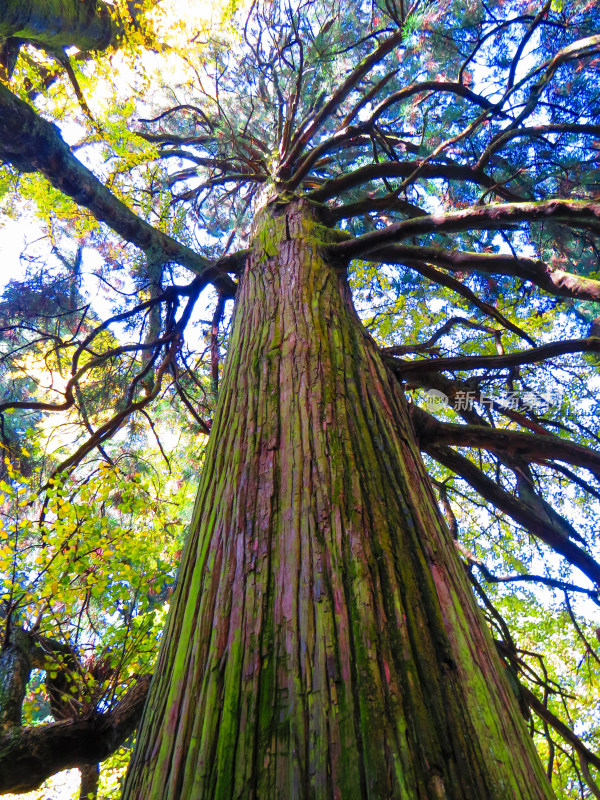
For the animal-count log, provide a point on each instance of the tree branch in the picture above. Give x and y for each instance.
(553, 583)
(532, 446)
(458, 89)
(87, 25)
(567, 734)
(305, 134)
(554, 281)
(400, 350)
(28, 756)
(533, 131)
(576, 213)
(404, 169)
(508, 504)
(31, 144)
(507, 361)
(434, 275)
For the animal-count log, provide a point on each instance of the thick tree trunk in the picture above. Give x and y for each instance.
(324, 642)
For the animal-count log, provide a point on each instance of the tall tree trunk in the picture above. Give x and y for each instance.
(324, 642)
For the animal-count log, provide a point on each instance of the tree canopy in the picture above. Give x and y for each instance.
(451, 153)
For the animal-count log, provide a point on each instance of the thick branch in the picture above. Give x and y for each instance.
(86, 24)
(554, 281)
(533, 446)
(404, 169)
(507, 361)
(31, 144)
(576, 213)
(438, 87)
(15, 669)
(508, 504)
(28, 756)
(455, 388)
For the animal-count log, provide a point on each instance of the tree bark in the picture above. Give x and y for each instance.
(86, 24)
(28, 756)
(90, 776)
(15, 669)
(323, 641)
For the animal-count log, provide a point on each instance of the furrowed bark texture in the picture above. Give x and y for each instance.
(323, 642)
(15, 669)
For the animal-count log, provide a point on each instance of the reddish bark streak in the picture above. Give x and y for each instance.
(323, 638)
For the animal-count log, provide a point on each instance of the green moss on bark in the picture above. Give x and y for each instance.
(86, 24)
(324, 641)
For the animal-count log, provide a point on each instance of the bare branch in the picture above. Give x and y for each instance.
(554, 281)
(304, 135)
(508, 361)
(559, 726)
(405, 169)
(576, 213)
(507, 503)
(437, 276)
(553, 583)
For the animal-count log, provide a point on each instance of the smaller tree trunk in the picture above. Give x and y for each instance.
(15, 669)
(90, 774)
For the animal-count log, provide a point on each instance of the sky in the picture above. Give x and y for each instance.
(12, 242)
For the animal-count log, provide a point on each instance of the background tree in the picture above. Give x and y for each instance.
(439, 175)
(82, 593)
